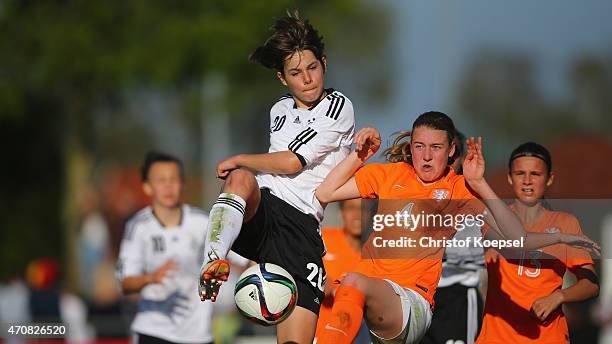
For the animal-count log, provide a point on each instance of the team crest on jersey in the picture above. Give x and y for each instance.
(552, 230)
(439, 194)
(311, 120)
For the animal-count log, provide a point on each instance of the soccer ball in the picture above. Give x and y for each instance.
(265, 294)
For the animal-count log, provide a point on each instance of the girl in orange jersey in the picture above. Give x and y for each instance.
(397, 294)
(524, 295)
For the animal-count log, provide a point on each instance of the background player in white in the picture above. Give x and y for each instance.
(267, 211)
(160, 256)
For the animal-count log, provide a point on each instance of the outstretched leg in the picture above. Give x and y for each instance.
(236, 204)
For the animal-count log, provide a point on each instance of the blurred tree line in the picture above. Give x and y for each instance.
(64, 65)
(499, 94)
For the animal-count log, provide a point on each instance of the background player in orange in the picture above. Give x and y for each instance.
(397, 294)
(343, 247)
(525, 294)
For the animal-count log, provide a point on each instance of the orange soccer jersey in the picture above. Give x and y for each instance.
(419, 271)
(339, 259)
(514, 285)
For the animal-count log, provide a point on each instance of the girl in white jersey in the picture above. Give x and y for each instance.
(160, 258)
(268, 211)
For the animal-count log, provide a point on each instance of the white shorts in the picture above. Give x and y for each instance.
(416, 317)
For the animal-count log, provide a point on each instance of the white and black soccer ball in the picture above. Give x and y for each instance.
(266, 294)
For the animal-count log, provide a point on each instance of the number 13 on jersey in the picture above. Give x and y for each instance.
(533, 260)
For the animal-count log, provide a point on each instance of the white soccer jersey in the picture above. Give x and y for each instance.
(322, 136)
(170, 310)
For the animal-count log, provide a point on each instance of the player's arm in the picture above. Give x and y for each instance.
(133, 284)
(586, 287)
(581, 265)
(535, 241)
(308, 147)
(340, 184)
(285, 162)
(130, 265)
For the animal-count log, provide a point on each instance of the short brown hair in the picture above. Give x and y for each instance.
(154, 156)
(291, 34)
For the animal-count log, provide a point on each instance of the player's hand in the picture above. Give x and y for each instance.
(224, 167)
(158, 275)
(474, 163)
(581, 241)
(544, 306)
(367, 143)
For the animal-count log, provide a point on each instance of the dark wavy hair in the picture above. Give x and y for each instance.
(290, 35)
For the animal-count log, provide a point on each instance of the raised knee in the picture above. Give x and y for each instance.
(239, 177)
(355, 280)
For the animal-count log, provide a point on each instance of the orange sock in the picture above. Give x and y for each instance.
(347, 315)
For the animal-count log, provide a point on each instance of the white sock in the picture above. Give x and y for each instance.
(224, 223)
